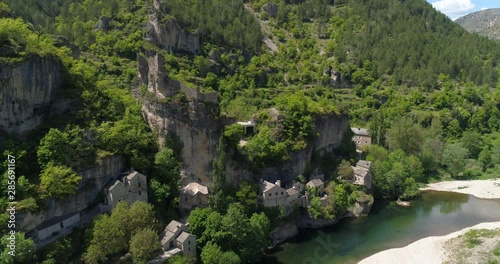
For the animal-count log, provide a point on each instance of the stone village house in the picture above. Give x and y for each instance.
(193, 195)
(130, 188)
(176, 240)
(273, 195)
(363, 174)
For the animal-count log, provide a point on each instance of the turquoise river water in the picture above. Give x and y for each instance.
(387, 226)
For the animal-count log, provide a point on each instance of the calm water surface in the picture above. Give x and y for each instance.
(388, 226)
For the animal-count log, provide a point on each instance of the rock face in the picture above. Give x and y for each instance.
(336, 79)
(186, 114)
(93, 180)
(330, 129)
(290, 229)
(284, 232)
(484, 22)
(27, 90)
(168, 35)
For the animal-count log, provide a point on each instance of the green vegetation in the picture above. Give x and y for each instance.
(144, 245)
(427, 90)
(123, 230)
(217, 199)
(25, 249)
(473, 237)
(233, 232)
(58, 181)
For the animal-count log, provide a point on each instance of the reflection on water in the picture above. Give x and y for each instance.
(453, 205)
(388, 226)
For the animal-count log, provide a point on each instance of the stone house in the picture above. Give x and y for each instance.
(130, 188)
(316, 184)
(177, 239)
(271, 195)
(193, 195)
(363, 174)
(361, 137)
(58, 224)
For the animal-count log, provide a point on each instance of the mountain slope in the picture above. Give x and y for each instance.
(485, 22)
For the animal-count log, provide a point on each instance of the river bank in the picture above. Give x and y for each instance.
(428, 250)
(484, 189)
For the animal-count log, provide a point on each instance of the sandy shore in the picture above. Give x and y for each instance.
(428, 250)
(486, 189)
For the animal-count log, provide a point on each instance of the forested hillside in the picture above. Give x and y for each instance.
(426, 88)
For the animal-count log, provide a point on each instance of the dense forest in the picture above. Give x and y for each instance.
(426, 88)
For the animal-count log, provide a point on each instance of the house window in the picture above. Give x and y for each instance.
(276, 193)
(62, 225)
(139, 184)
(189, 242)
(270, 194)
(139, 192)
(281, 193)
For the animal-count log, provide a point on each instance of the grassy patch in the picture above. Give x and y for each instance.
(496, 250)
(473, 237)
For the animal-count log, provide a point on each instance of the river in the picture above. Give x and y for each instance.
(387, 226)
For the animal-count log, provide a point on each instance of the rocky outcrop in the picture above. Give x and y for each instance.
(336, 79)
(186, 114)
(92, 183)
(169, 35)
(290, 229)
(27, 90)
(330, 130)
(308, 222)
(283, 232)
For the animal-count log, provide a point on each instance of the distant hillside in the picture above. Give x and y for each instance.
(486, 22)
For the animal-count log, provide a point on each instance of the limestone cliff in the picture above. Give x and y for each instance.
(93, 180)
(170, 107)
(27, 90)
(167, 34)
(330, 130)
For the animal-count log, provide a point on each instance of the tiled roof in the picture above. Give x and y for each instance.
(195, 188)
(360, 131)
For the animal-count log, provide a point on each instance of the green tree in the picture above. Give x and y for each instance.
(165, 182)
(471, 140)
(405, 135)
(197, 224)
(25, 249)
(217, 198)
(178, 259)
(454, 158)
(345, 171)
(341, 199)
(112, 234)
(59, 252)
(66, 148)
(233, 134)
(247, 195)
(212, 254)
(144, 245)
(58, 181)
